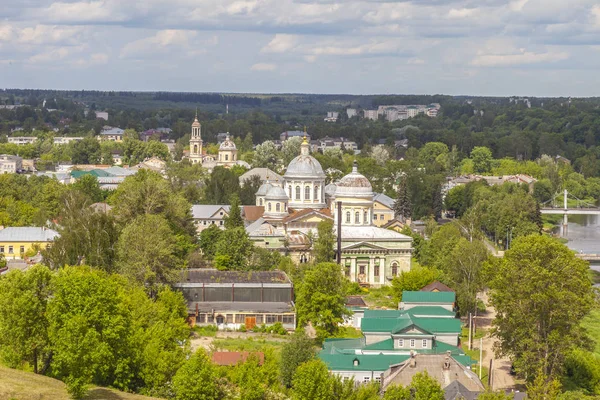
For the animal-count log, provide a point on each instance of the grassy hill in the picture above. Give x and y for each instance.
(20, 385)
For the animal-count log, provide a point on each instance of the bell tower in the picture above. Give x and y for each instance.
(196, 142)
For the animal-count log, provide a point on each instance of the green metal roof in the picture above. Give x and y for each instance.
(383, 313)
(369, 362)
(383, 324)
(387, 344)
(431, 311)
(94, 172)
(439, 325)
(428, 297)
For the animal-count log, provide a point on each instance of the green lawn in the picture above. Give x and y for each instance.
(249, 344)
(591, 323)
(380, 298)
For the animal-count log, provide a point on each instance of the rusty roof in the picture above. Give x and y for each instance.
(229, 358)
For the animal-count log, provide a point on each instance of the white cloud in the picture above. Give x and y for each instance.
(523, 57)
(280, 44)
(415, 61)
(49, 56)
(82, 11)
(462, 13)
(168, 39)
(263, 67)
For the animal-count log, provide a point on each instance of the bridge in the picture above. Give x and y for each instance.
(588, 257)
(581, 208)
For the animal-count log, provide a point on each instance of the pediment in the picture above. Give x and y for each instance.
(363, 246)
(411, 330)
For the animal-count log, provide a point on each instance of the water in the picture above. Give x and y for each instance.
(583, 235)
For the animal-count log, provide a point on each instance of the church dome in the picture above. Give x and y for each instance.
(304, 166)
(354, 185)
(227, 144)
(276, 193)
(330, 189)
(263, 189)
(195, 123)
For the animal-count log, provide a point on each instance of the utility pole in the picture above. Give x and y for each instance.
(480, 356)
(339, 232)
(470, 327)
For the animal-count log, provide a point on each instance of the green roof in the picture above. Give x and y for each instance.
(387, 344)
(428, 297)
(383, 313)
(439, 325)
(368, 362)
(94, 172)
(384, 324)
(465, 360)
(431, 311)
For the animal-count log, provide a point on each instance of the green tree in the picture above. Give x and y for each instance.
(583, 369)
(312, 382)
(465, 274)
(425, 387)
(265, 155)
(197, 379)
(234, 219)
(291, 149)
(146, 252)
(23, 322)
(320, 298)
(397, 392)
(413, 280)
(87, 236)
(209, 238)
(233, 250)
(325, 243)
(220, 186)
(299, 349)
(403, 203)
(88, 329)
(535, 327)
(88, 185)
(499, 395)
(86, 151)
(482, 159)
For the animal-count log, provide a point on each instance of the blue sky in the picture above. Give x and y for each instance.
(485, 47)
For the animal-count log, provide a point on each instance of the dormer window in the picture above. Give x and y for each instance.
(355, 362)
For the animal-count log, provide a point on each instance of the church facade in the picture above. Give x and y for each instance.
(293, 208)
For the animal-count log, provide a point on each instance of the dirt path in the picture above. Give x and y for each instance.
(501, 377)
(207, 341)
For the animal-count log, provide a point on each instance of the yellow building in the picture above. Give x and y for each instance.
(383, 209)
(15, 242)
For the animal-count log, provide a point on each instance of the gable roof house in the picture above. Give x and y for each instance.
(205, 215)
(446, 300)
(396, 343)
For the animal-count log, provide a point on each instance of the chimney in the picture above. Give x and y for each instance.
(413, 360)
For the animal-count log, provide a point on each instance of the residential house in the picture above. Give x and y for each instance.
(383, 209)
(205, 215)
(290, 134)
(412, 299)
(10, 164)
(230, 299)
(117, 157)
(370, 114)
(351, 112)
(111, 134)
(22, 140)
(15, 242)
(159, 134)
(436, 286)
(396, 343)
(154, 164)
(102, 115)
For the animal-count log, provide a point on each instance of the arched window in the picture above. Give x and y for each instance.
(357, 217)
(226, 157)
(195, 149)
(261, 203)
(347, 217)
(316, 196)
(290, 191)
(269, 206)
(277, 207)
(307, 193)
(365, 218)
(394, 269)
(297, 192)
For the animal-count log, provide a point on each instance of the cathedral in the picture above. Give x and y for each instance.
(293, 209)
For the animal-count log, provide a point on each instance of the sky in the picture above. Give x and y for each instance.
(456, 47)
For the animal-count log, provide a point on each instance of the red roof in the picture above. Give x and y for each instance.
(436, 286)
(233, 357)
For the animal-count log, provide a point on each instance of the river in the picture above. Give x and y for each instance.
(583, 235)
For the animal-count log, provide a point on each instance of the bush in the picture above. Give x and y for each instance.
(583, 369)
(242, 328)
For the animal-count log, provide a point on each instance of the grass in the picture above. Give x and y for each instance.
(249, 344)
(207, 330)
(591, 323)
(21, 385)
(480, 333)
(594, 276)
(380, 298)
(348, 332)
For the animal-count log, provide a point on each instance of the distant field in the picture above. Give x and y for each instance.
(592, 325)
(20, 385)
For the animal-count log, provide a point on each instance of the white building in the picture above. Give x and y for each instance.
(10, 164)
(21, 140)
(351, 112)
(370, 114)
(66, 139)
(102, 115)
(332, 116)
